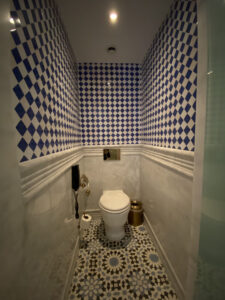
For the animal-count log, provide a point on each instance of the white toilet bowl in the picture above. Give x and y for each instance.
(114, 207)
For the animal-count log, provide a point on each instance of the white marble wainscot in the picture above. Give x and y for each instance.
(166, 191)
(161, 178)
(40, 172)
(49, 224)
(119, 174)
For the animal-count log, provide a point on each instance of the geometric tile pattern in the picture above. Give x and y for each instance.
(45, 80)
(109, 100)
(128, 269)
(169, 81)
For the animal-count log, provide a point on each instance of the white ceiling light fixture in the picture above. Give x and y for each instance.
(113, 17)
(11, 20)
(14, 21)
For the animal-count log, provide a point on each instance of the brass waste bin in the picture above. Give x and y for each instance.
(135, 216)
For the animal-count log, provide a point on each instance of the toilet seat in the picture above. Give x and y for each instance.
(114, 201)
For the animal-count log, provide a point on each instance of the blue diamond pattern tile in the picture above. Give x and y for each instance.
(16, 37)
(31, 129)
(17, 74)
(22, 145)
(21, 128)
(34, 156)
(20, 110)
(40, 53)
(111, 108)
(27, 49)
(28, 81)
(16, 4)
(32, 145)
(109, 98)
(169, 81)
(30, 114)
(39, 144)
(18, 91)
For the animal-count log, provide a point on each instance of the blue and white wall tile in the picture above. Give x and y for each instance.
(45, 80)
(109, 99)
(169, 81)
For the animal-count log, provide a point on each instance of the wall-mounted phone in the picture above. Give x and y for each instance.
(75, 177)
(75, 187)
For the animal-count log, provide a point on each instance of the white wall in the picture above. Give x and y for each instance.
(162, 179)
(49, 240)
(11, 207)
(199, 152)
(35, 243)
(50, 229)
(166, 192)
(103, 175)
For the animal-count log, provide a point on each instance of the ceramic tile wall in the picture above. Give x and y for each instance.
(47, 109)
(168, 106)
(167, 195)
(169, 81)
(109, 95)
(50, 233)
(123, 174)
(11, 206)
(45, 80)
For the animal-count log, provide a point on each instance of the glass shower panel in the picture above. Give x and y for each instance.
(210, 282)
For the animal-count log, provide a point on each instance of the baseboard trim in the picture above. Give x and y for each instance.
(95, 213)
(171, 272)
(69, 275)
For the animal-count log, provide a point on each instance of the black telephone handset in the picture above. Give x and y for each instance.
(75, 186)
(75, 177)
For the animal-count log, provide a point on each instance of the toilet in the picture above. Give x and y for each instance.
(115, 206)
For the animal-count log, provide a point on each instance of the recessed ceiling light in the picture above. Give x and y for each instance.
(14, 21)
(11, 20)
(113, 16)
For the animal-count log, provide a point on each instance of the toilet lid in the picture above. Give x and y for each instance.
(115, 200)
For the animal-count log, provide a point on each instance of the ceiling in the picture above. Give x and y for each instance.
(91, 33)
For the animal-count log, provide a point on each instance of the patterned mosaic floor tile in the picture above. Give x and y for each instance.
(128, 269)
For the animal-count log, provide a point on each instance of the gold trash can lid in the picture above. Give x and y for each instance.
(135, 204)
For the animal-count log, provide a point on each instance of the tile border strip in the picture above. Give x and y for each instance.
(36, 174)
(180, 161)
